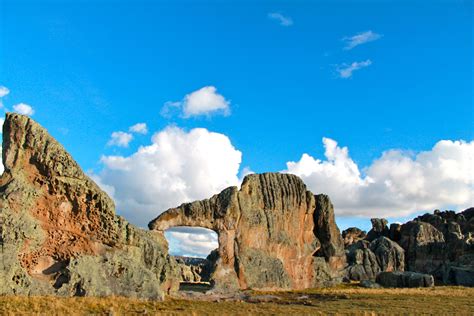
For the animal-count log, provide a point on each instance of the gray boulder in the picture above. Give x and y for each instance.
(398, 279)
(390, 256)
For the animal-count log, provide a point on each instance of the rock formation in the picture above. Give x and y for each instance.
(441, 244)
(438, 244)
(367, 260)
(352, 235)
(194, 270)
(405, 279)
(273, 233)
(59, 231)
(379, 229)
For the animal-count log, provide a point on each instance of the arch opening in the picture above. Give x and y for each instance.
(195, 251)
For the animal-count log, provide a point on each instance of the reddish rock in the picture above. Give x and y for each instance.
(272, 233)
(59, 231)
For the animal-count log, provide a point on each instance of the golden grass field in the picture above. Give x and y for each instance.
(346, 299)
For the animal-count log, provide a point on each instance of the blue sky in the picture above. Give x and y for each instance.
(91, 68)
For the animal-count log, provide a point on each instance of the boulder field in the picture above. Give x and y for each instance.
(59, 235)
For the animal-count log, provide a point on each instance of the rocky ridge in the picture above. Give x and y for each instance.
(59, 231)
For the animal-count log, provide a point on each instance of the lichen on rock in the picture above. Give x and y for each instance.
(59, 231)
(273, 234)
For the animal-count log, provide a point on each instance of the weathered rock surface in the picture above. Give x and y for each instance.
(273, 234)
(379, 229)
(59, 231)
(367, 260)
(363, 264)
(194, 270)
(405, 279)
(441, 244)
(352, 235)
(395, 234)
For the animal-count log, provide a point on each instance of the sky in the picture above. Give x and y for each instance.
(165, 102)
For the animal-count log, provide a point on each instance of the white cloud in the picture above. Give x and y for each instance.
(4, 91)
(177, 167)
(345, 71)
(397, 184)
(170, 108)
(191, 242)
(139, 128)
(120, 139)
(283, 20)
(205, 101)
(23, 108)
(360, 38)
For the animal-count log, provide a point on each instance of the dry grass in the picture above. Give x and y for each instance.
(348, 299)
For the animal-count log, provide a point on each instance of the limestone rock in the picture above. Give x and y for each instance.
(379, 229)
(273, 233)
(59, 231)
(390, 256)
(394, 234)
(363, 264)
(352, 235)
(424, 246)
(328, 234)
(441, 244)
(405, 279)
(367, 260)
(193, 270)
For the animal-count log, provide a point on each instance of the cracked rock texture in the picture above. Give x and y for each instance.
(273, 234)
(59, 231)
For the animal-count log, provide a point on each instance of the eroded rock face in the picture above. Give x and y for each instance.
(194, 270)
(441, 244)
(368, 259)
(59, 231)
(352, 235)
(273, 233)
(379, 229)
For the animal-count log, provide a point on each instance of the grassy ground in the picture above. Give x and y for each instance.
(349, 299)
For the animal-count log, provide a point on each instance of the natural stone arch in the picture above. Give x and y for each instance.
(268, 233)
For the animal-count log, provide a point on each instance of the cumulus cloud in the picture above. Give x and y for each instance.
(120, 139)
(205, 101)
(23, 108)
(399, 183)
(191, 242)
(360, 38)
(280, 18)
(178, 166)
(139, 128)
(345, 71)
